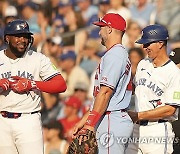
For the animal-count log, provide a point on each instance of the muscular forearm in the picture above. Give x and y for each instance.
(101, 101)
(158, 113)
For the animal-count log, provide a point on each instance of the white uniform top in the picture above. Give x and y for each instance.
(32, 65)
(114, 71)
(157, 86)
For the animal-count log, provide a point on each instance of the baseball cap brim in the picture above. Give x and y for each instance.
(144, 41)
(100, 24)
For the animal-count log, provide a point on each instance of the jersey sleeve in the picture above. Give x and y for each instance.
(112, 70)
(172, 93)
(47, 69)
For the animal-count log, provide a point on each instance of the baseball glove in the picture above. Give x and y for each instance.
(88, 144)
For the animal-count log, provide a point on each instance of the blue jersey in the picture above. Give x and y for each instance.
(114, 71)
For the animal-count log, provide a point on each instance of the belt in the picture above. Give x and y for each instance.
(146, 122)
(108, 112)
(13, 115)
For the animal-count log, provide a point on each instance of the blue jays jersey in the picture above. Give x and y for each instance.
(114, 71)
(157, 86)
(34, 66)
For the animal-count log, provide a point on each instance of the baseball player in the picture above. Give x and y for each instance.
(112, 90)
(157, 96)
(23, 74)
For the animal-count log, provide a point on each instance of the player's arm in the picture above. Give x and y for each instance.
(157, 113)
(54, 85)
(100, 106)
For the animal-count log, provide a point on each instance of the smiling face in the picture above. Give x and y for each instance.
(18, 43)
(153, 49)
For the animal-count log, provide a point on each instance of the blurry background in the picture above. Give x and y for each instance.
(63, 31)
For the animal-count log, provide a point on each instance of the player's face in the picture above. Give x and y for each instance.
(18, 44)
(103, 35)
(152, 49)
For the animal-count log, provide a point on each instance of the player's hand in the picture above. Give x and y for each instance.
(21, 85)
(76, 129)
(4, 85)
(133, 115)
(83, 133)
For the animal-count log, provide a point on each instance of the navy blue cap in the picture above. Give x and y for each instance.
(104, 2)
(64, 4)
(32, 5)
(68, 55)
(153, 33)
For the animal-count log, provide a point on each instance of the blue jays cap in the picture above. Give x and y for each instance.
(68, 55)
(153, 33)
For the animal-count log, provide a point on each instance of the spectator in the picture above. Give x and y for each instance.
(135, 56)
(10, 14)
(50, 107)
(71, 109)
(81, 92)
(104, 6)
(119, 7)
(86, 9)
(29, 13)
(71, 72)
(133, 33)
(53, 48)
(89, 58)
(168, 14)
(56, 142)
(142, 12)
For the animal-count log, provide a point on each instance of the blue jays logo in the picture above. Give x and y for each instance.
(155, 103)
(21, 26)
(152, 32)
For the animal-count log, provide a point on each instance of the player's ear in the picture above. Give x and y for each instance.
(6, 39)
(109, 29)
(161, 44)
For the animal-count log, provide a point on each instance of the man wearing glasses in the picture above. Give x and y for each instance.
(157, 96)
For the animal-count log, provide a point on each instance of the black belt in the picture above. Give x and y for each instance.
(145, 122)
(6, 114)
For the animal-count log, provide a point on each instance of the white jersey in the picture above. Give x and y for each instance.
(114, 71)
(157, 86)
(34, 66)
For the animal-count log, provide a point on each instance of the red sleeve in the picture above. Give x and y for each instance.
(56, 84)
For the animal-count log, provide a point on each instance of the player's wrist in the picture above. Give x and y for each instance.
(33, 85)
(93, 118)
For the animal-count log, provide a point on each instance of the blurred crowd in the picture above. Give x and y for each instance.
(64, 32)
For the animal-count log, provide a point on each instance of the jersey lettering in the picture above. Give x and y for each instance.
(128, 66)
(156, 89)
(96, 91)
(6, 75)
(25, 75)
(19, 73)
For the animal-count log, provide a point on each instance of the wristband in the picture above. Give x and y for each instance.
(93, 118)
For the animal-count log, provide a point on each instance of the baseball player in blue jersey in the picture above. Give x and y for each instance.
(23, 74)
(157, 96)
(112, 90)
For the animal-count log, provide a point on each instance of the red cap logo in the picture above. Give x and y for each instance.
(113, 20)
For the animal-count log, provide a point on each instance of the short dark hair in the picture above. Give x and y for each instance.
(138, 50)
